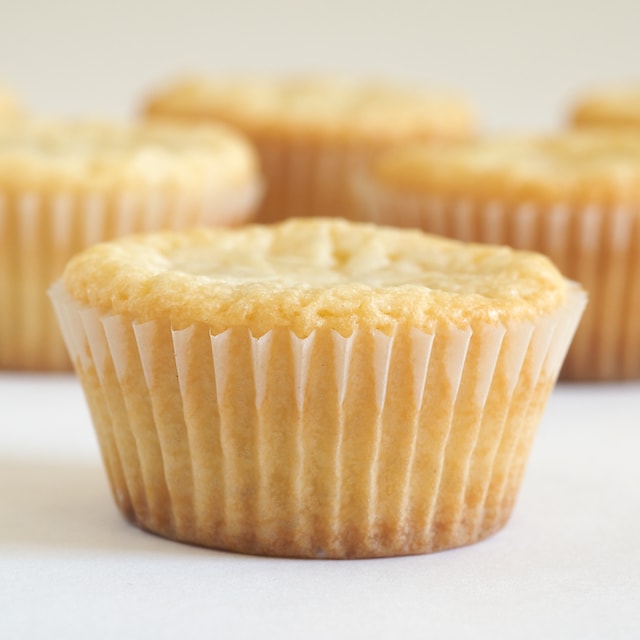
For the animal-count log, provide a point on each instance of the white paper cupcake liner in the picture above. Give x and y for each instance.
(39, 232)
(596, 246)
(325, 446)
(308, 179)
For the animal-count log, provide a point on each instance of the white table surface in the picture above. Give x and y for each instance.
(566, 566)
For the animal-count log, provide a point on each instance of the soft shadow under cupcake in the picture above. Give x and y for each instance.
(63, 505)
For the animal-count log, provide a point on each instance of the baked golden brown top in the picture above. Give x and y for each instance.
(310, 273)
(609, 107)
(92, 154)
(314, 106)
(568, 166)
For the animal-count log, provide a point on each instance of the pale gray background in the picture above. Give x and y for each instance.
(520, 63)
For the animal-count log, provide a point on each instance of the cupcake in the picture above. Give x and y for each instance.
(67, 184)
(315, 388)
(311, 131)
(574, 196)
(616, 107)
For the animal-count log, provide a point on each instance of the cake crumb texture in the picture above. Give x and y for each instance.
(311, 273)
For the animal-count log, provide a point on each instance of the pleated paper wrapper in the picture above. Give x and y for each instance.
(595, 245)
(40, 232)
(324, 446)
(306, 178)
